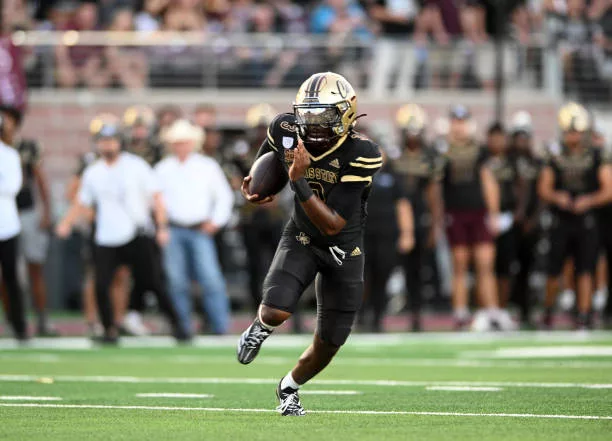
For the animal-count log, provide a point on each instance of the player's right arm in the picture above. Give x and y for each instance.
(80, 207)
(547, 193)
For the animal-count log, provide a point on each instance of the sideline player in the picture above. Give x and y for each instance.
(575, 181)
(330, 167)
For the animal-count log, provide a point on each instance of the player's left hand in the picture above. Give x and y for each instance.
(45, 222)
(301, 162)
(162, 236)
(210, 228)
(581, 204)
(405, 244)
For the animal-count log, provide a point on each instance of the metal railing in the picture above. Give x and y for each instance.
(136, 60)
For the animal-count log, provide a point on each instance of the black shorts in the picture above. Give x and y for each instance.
(506, 264)
(576, 237)
(339, 281)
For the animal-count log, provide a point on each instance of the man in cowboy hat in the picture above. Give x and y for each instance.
(199, 201)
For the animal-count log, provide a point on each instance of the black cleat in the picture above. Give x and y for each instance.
(289, 402)
(251, 340)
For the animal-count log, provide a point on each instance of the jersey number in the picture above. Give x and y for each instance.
(317, 189)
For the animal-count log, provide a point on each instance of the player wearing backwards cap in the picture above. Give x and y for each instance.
(122, 188)
(471, 203)
(575, 181)
(330, 168)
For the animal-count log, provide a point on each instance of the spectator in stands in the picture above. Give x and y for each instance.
(82, 65)
(402, 24)
(184, 16)
(603, 39)
(59, 16)
(345, 21)
(199, 202)
(574, 32)
(34, 205)
(149, 17)
(10, 183)
(269, 65)
(127, 65)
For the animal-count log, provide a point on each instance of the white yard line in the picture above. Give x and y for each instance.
(172, 395)
(464, 388)
(27, 398)
(258, 381)
(369, 341)
(342, 412)
(342, 360)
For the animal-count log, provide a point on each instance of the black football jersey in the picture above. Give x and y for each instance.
(528, 169)
(85, 160)
(352, 161)
(576, 173)
(417, 169)
(505, 172)
(151, 151)
(30, 153)
(460, 174)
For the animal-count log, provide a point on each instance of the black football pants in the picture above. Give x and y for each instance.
(8, 273)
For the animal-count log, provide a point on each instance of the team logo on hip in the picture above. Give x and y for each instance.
(302, 238)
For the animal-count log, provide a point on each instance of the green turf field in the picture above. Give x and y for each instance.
(529, 386)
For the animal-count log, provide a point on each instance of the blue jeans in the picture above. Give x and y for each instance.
(191, 255)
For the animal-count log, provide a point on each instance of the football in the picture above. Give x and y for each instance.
(268, 176)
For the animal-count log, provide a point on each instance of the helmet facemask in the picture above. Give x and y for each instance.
(319, 125)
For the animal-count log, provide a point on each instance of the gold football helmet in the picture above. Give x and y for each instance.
(138, 116)
(104, 125)
(574, 117)
(411, 118)
(260, 115)
(325, 109)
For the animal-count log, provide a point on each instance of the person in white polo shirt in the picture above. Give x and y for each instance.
(11, 179)
(199, 202)
(122, 188)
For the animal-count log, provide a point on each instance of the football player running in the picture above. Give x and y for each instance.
(330, 168)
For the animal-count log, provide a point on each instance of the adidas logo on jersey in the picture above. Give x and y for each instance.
(356, 252)
(335, 163)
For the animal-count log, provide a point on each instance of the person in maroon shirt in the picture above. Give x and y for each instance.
(82, 65)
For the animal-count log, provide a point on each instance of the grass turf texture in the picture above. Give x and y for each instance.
(553, 385)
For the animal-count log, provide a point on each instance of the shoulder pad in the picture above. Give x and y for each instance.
(282, 132)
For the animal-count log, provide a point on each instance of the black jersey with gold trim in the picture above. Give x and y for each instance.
(335, 176)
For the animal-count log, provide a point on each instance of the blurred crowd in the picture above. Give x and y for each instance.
(378, 43)
(156, 204)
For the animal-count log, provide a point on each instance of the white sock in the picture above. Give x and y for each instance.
(265, 325)
(288, 381)
(461, 313)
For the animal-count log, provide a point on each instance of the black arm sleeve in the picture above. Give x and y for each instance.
(345, 199)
